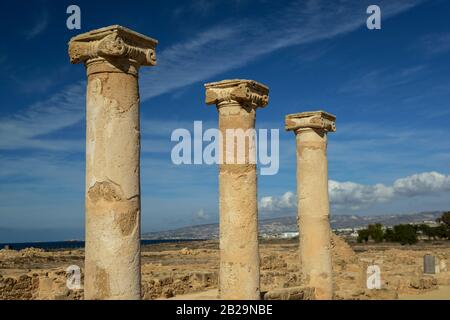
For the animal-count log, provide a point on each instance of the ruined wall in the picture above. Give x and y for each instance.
(37, 286)
(23, 287)
(167, 286)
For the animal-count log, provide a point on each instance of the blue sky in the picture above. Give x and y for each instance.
(389, 88)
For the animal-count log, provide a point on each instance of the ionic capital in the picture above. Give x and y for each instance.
(247, 92)
(113, 42)
(312, 119)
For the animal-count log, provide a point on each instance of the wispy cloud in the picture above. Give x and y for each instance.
(215, 49)
(376, 80)
(46, 169)
(61, 110)
(436, 43)
(197, 7)
(39, 26)
(232, 44)
(221, 48)
(40, 81)
(205, 7)
(386, 145)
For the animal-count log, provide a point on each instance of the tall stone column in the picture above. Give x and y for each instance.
(312, 195)
(112, 57)
(237, 101)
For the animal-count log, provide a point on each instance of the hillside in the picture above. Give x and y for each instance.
(288, 224)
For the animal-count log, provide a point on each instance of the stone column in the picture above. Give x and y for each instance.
(112, 57)
(236, 102)
(312, 195)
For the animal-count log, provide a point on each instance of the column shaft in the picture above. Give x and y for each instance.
(313, 211)
(239, 255)
(112, 260)
(237, 101)
(312, 195)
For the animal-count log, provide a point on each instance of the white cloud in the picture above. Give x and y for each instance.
(422, 184)
(286, 201)
(354, 196)
(201, 215)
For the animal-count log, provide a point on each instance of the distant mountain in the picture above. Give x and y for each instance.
(353, 221)
(211, 231)
(289, 224)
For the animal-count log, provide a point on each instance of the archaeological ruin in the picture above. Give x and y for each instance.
(141, 162)
(112, 57)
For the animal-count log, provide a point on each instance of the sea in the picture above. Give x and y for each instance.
(74, 244)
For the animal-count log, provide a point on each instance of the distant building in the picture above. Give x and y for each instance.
(354, 234)
(343, 230)
(431, 223)
(427, 222)
(288, 235)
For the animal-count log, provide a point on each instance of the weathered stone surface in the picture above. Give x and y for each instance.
(312, 193)
(247, 92)
(236, 101)
(112, 56)
(113, 42)
(293, 293)
(314, 119)
(423, 283)
(37, 285)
